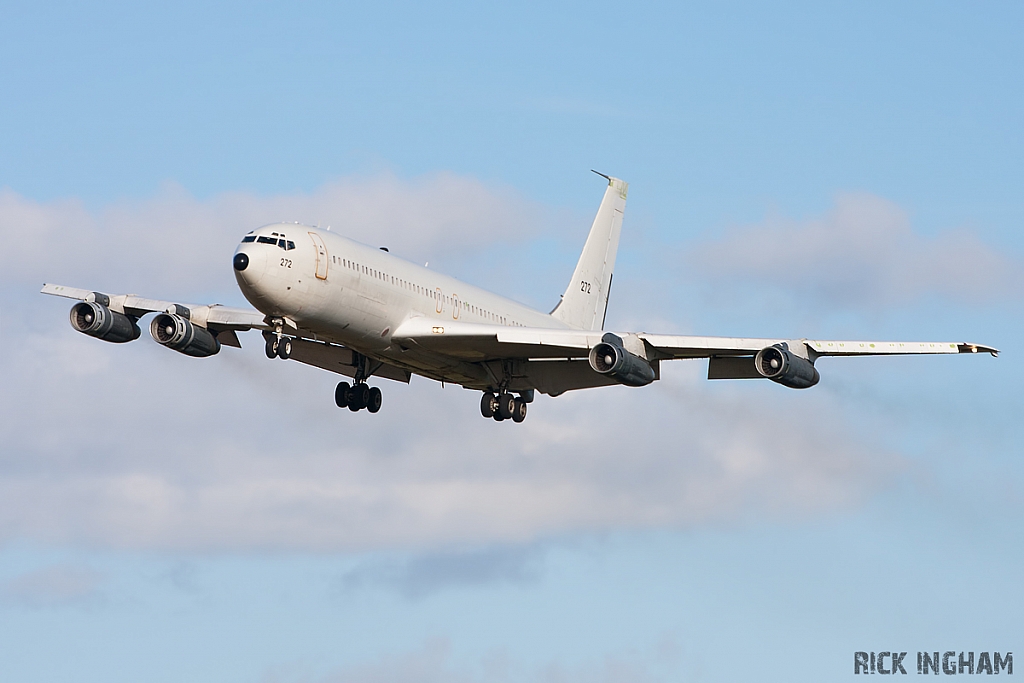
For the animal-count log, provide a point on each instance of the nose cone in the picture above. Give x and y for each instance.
(250, 265)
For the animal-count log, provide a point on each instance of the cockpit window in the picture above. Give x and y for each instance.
(272, 239)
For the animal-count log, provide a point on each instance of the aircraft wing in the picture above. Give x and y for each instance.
(478, 342)
(473, 341)
(668, 346)
(214, 316)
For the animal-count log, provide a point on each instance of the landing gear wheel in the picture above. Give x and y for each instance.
(498, 417)
(363, 392)
(374, 401)
(488, 404)
(271, 348)
(519, 411)
(506, 405)
(284, 349)
(358, 397)
(341, 394)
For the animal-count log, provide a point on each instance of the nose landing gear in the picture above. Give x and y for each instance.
(279, 348)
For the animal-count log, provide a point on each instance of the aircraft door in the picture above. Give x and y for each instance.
(455, 306)
(321, 256)
(439, 300)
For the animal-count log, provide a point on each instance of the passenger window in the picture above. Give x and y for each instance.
(249, 238)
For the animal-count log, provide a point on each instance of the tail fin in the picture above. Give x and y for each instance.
(585, 302)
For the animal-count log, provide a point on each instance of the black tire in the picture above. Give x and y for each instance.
(284, 349)
(352, 398)
(506, 405)
(519, 412)
(271, 348)
(487, 404)
(498, 417)
(359, 398)
(341, 394)
(375, 399)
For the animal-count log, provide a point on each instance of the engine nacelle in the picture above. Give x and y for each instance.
(783, 366)
(610, 358)
(175, 332)
(96, 320)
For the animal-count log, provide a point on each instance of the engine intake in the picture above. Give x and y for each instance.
(781, 365)
(175, 332)
(96, 320)
(610, 358)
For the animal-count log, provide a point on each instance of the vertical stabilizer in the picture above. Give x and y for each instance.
(584, 302)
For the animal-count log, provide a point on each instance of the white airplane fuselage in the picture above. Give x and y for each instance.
(356, 295)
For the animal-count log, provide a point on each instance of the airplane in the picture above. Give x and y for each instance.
(333, 303)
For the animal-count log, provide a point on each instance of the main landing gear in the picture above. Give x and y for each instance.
(504, 406)
(357, 397)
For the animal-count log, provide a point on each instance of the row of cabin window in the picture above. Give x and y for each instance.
(420, 290)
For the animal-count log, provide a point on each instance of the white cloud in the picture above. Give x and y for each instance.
(54, 586)
(863, 254)
(135, 446)
(180, 245)
(433, 661)
(234, 452)
(428, 573)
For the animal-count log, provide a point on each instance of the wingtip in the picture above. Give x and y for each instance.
(978, 348)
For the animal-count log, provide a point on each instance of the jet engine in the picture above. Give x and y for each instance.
(178, 333)
(610, 358)
(96, 320)
(781, 365)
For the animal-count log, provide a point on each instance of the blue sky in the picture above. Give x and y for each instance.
(798, 170)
